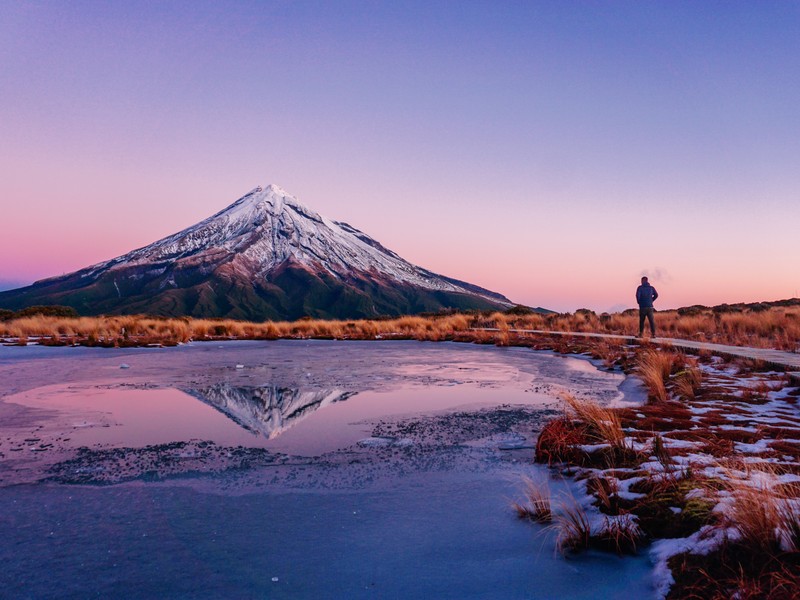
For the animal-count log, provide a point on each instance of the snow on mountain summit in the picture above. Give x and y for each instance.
(266, 256)
(268, 226)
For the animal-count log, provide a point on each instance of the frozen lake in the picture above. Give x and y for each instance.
(287, 469)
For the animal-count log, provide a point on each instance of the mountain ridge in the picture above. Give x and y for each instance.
(265, 256)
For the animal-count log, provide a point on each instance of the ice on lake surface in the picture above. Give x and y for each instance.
(343, 469)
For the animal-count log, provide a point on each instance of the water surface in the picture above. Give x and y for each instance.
(287, 470)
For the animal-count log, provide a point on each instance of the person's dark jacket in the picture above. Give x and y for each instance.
(645, 294)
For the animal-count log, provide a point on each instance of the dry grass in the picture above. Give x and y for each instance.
(765, 519)
(688, 381)
(763, 559)
(558, 441)
(536, 506)
(656, 369)
(622, 534)
(606, 490)
(604, 424)
(777, 327)
(661, 453)
(572, 527)
(732, 572)
(790, 524)
(610, 351)
(122, 330)
(752, 512)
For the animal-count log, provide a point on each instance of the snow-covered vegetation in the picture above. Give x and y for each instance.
(707, 474)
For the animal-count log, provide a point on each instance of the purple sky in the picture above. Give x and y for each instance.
(550, 151)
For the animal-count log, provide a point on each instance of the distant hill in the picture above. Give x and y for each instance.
(697, 309)
(266, 256)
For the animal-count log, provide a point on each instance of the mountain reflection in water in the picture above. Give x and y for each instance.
(267, 410)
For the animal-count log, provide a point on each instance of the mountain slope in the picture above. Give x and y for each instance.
(266, 256)
(267, 410)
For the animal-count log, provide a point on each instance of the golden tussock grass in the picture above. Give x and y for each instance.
(110, 329)
(620, 533)
(606, 490)
(761, 560)
(777, 327)
(604, 424)
(766, 520)
(558, 441)
(536, 505)
(687, 382)
(572, 527)
(609, 351)
(654, 368)
(774, 327)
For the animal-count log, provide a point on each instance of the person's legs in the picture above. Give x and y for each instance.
(642, 312)
(652, 321)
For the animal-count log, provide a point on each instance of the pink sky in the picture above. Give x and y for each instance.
(549, 155)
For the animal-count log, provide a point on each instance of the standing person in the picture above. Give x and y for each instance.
(645, 294)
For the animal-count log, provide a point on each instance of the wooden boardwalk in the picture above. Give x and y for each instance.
(786, 360)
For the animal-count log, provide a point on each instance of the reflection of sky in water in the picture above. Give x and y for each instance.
(132, 417)
(299, 398)
(298, 421)
(343, 424)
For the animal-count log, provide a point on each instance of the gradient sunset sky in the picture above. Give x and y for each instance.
(550, 151)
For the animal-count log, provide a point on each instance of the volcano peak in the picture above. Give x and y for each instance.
(265, 256)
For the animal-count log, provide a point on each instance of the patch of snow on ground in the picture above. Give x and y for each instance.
(673, 443)
(701, 542)
(726, 427)
(700, 411)
(590, 448)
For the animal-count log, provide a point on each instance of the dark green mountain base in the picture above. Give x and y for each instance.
(287, 293)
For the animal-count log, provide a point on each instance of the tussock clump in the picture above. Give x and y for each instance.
(585, 423)
(606, 491)
(620, 534)
(573, 528)
(687, 381)
(611, 352)
(654, 368)
(665, 370)
(762, 557)
(758, 514)
(604, 425)
(558, 441)
(661, 453)
(536, 506)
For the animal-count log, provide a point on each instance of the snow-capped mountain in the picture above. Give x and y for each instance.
(267, 410)
(265, 256)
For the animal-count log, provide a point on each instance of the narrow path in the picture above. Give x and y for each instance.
(788, 360)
